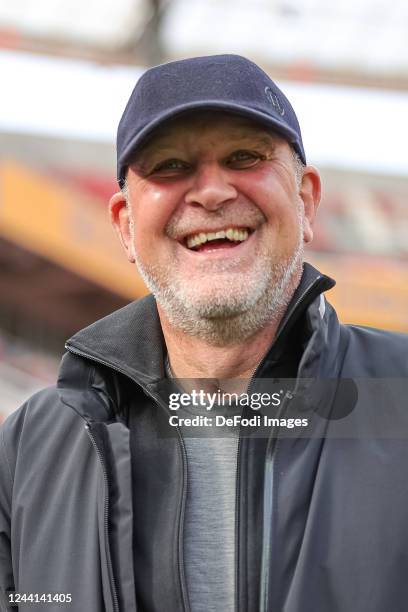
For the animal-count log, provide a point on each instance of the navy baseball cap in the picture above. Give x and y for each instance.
(216, 82)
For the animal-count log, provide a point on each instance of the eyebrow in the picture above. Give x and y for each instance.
(169, 149)
(146, 158)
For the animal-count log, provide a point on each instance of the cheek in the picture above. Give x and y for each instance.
(265, 188)
(279, 201)
(150, 219)
(274, 202)
(146, 240)
(152, 212)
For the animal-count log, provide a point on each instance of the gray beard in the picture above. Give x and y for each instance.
(229, 317)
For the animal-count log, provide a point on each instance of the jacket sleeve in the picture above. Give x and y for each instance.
(6, 483)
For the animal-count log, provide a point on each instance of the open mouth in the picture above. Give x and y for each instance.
(221, 239)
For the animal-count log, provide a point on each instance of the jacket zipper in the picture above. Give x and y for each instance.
(180, 556)
(271, 450)
(237, 518)
(105, 520)
(157, 399)
(270, 454)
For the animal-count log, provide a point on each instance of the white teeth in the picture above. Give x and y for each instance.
(236, 235)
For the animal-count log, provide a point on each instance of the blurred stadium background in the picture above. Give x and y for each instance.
(67, 69)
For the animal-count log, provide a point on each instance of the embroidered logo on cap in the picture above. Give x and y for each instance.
(274, 100)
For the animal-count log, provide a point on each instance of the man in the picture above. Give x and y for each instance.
(106, 495)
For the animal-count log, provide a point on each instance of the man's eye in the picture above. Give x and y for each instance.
(244, 159)
(169, 167)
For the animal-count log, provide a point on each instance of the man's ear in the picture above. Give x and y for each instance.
(121, 220)
(310, 193)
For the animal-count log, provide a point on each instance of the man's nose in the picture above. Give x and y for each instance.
(211, 187)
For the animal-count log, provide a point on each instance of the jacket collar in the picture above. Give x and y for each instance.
(130, 340)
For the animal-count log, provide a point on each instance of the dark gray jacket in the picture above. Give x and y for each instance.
(321, 517)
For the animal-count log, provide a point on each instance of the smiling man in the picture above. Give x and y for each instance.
(230, 204)
(143, 481)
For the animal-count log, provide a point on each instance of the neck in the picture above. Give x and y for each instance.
(192, 357)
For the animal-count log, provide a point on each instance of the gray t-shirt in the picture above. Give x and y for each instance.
(209, 525)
